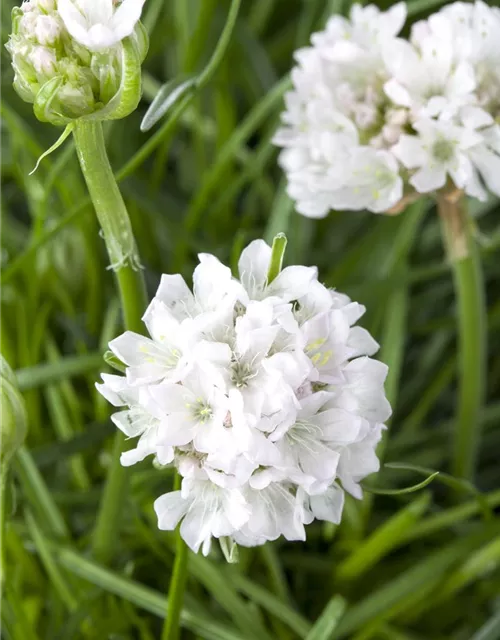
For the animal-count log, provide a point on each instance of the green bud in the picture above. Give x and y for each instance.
(63, 79)
(14, 420)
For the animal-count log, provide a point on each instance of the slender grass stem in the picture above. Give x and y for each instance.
(120, 243)
(3, 486)
(177, 585)
(469, 287)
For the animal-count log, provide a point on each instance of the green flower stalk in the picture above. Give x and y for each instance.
(14, 422)
(13, 428)
(79, 63)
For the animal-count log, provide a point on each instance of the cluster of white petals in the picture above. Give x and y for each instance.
(261, 394)
(374, 118)
(100, 24)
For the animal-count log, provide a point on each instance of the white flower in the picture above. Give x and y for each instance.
(360, 93)
(440, 150)
(259, 391)
(275, 511)
(428, 80)
(194, 412)
(135, 421)
(374, 183)
(99, 24)
(154, 360)
(206, 510)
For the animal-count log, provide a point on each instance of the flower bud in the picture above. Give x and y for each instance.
(70, 66)
(13, 425)
(47, 30)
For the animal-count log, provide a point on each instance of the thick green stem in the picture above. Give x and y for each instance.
(171, 629)
(120, 243)
(469, 287)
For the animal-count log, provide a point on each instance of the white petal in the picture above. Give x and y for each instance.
(361, 343)
(170, 508)
(74, 20)
(293, 282)
(329, 506)
(176, 295)
(97, 11)
(197, 526)
(133, 422)
(126, 17)
(410, 152)
(397, 93)
(338, 427)
(429, 179)
(253, 265)
(161, 324)
(488, 164)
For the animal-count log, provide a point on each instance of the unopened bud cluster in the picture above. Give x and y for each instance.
(68, 77)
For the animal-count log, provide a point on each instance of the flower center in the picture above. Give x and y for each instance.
(241, 373)
(443, 150)
(201, 411)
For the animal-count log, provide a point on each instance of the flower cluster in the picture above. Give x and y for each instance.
(374, 120)
(260, 392)
(71, 58)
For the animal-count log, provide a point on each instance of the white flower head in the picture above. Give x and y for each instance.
(100, 24)
(374, 119)
(259, 390)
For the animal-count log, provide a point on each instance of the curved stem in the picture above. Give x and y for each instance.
(472, 332)
(120, 243)
(177, 584)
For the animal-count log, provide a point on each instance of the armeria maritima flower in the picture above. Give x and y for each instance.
(261, 394)
(374, 118)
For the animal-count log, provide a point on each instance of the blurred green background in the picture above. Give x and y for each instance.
(416, 566)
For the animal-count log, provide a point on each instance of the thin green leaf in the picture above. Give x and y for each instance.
(168, 96)
(42, 374)
(67, 132)
(63, 587)
(272, 604)
(224, 592)
(383, 603)
(383, 539)
(141, 596)
(490, 630)
(324, 628)
(459, 484)
(397, 492)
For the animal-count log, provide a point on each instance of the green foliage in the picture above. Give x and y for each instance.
(421, 565)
